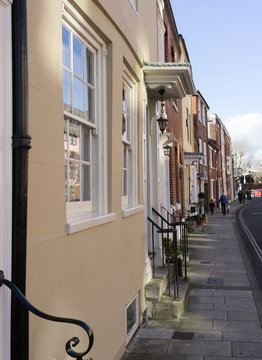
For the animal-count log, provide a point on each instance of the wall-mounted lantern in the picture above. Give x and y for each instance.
(167, 150)
(162, 120)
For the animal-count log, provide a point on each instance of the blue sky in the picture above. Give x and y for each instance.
(224, 42)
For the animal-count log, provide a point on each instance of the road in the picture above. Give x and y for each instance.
(249, 224)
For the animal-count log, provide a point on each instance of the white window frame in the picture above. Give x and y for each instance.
(205, 153)
(203, 114)
(212, 189)
(136, 323)
(130, 146)
(211, 157)
(134, 4)
(200, 149)
(84, 214)
(228, 165)
(199, 109)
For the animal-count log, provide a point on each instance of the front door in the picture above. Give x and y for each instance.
(5, 173)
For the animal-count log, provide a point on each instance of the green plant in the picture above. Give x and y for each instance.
(169, 250)
(201, 195)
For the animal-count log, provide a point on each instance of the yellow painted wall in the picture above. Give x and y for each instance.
(93, 274)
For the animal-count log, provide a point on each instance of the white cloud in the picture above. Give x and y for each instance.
(247, 129)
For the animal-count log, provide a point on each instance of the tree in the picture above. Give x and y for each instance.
(243, 157)
(245, 161)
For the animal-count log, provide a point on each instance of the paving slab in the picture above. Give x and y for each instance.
(149, 346)
(246, 349)
(200, 306)
(247, 336)
(242, 306)
(234, 293)
(159, 333)
(199, 347)
(243, 315)
(208, 335)
(206, 314)
(195, 324)
(236, 326)
(206, 300)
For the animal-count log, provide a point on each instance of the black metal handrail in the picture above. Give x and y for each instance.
(73, 341)
(154, 224)
(184, 240)
(163, 220)
(174, 260)
(169, 215)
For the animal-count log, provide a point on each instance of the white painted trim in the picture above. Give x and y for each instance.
(132, 211)
(6, 2)
(99, 205)
(134, 6)
(135, 326)
(75, 225)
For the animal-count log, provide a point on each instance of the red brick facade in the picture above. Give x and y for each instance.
(199, 109)
(174, 113)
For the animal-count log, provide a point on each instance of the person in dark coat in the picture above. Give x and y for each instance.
(212, 206)
(239, 196)
(243, 197)
(223, 201)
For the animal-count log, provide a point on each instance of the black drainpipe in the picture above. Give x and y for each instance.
(21, 146)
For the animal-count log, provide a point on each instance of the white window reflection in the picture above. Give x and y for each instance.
(79, 77)
(78, 61)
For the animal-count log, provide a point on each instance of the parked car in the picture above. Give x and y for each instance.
(258, 192)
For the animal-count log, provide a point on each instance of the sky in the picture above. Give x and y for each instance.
(224, 43)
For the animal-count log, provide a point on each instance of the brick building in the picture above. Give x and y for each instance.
(200, 108)
(174, 114)
(215, 127)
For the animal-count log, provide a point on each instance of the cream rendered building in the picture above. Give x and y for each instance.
(5, 171)
(88, 104)
(95, 167)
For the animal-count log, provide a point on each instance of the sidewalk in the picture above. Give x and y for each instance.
(221, 320)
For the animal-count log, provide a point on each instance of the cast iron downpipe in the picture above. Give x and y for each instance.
(21, 146)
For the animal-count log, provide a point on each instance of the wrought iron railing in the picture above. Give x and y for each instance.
(70, 343)
(154, 225)
(183, 241)
(172, 258)
(171, 253)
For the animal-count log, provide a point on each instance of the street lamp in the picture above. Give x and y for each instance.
(162, 120)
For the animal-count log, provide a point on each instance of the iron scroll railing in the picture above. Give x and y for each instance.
(70, 343)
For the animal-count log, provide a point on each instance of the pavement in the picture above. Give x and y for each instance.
(222, 317)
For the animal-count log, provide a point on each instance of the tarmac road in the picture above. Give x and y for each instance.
(249, 224)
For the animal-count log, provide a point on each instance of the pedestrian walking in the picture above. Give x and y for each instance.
(223, 201)
(243, 197)
(211, 206)
(239, 196)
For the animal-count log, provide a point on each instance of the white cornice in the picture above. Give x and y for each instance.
(174, 78)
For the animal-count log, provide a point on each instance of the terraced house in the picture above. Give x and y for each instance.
(97, 81)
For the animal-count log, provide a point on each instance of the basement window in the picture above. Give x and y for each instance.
(131, 318)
